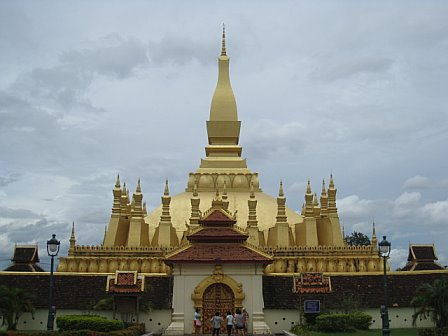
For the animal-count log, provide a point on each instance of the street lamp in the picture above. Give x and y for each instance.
(384, 251)
(52, 250)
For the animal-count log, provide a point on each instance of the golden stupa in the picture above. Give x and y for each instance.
(309, 241)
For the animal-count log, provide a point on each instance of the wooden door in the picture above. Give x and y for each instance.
(217, 298)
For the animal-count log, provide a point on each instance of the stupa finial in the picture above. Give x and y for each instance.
(280, 192)
(138, 189)
(223, 48)
(166, 192)
(117, 183)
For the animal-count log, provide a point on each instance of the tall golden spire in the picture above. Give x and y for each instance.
(223, 128)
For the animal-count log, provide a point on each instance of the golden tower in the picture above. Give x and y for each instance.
(308, 241)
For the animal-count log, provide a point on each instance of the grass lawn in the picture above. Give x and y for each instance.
(376, 332)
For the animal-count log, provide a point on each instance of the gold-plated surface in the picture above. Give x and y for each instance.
(309, 241)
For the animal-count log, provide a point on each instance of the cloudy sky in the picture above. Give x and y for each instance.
(354, 88)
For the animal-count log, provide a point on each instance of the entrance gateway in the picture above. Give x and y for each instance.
(217, 298)
(216, 271)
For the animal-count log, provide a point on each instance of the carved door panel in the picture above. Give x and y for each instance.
(217, 298)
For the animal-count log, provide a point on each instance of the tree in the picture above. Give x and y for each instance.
(13, 303)
(357, 239)
(431, 301)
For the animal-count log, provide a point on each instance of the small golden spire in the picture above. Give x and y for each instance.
(280, 192)
(195, 189)
(166, 192)
(145, 212)
(72, 236)
(223, 48)
(72, 240)
(105, 231)
(331, 181)
(374, 240)
(308, 187)
(324, 191)
(117, 183)
(224, 190)
(315, 202)
(124, 187)
(138, 189)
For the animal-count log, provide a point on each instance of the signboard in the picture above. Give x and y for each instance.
(312, 283)
(311, 306)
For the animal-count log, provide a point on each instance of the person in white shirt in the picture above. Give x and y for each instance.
(229, 323)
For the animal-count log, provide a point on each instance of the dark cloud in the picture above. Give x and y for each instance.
(8, 179)
(6, 212)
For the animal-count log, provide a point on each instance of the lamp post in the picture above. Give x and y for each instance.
(384, 251)
(52, 250)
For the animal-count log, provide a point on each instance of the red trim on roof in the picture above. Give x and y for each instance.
(212, 253)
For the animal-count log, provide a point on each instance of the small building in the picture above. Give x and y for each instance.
(422, 257)
(25, 259)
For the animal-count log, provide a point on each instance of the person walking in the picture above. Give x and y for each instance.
(197, 321)
(216, 323)
(246, 320)
(229, 323)
(239, 322)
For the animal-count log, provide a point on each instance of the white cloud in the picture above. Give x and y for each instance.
(398, 258)
(436, 213)
(417, 182)
(405, 205)
(355, 208)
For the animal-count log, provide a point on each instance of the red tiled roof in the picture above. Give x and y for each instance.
(223, 253)
(125, 279)
(217, 217)
(218, 234)
(125, 288)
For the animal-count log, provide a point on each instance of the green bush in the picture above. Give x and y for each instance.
(82, 323)
(343, 322)
(333, 322)
(310, 318)
(433, 332)
(300, 330)
(360, 320)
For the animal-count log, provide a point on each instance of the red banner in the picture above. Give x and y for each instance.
(311, 283)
